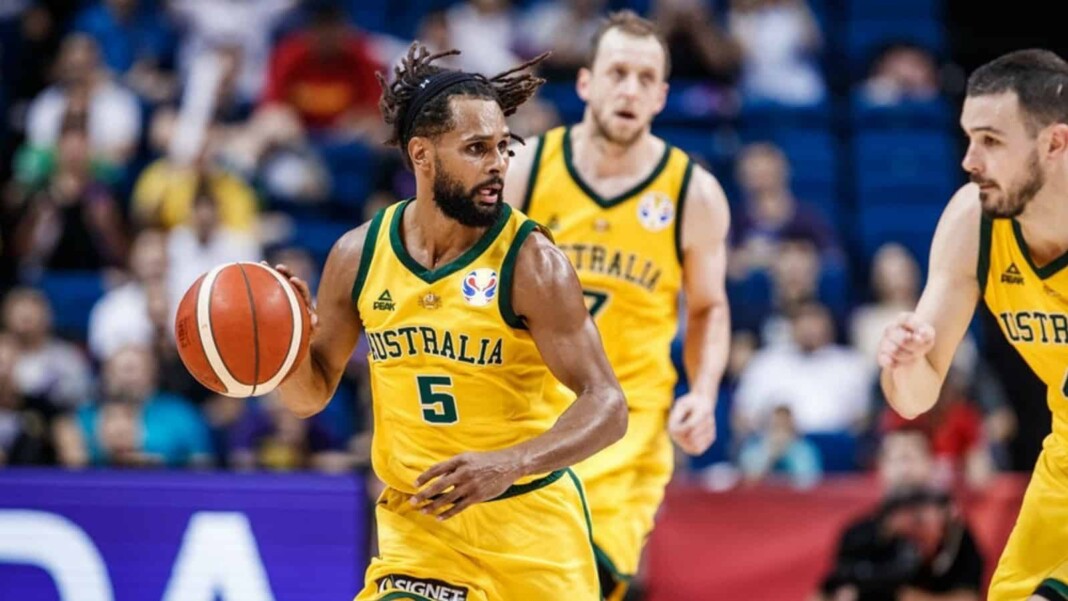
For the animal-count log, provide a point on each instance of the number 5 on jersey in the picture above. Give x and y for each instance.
(439, 407)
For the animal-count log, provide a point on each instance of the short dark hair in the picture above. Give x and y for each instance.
(1038, 77)
(630, 23)
(509, 89)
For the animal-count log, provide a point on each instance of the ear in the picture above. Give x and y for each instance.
(582, 84)
(1057, 147)
(661, 99)
(421, 153)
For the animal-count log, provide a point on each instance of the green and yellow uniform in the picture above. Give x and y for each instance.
(627, 252)
(1031, 307)
(452, 370)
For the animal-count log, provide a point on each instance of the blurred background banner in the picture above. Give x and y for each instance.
(111, 536)
(775, 543)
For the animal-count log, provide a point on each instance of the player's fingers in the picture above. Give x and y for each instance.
(446, 499)
(433, 491)
(436, 470)
(460, 505)
(678, 415)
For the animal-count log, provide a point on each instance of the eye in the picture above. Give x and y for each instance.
(503, 147)
(989, 142)
(475, 148)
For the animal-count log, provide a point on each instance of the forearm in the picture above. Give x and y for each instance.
(911, 389)
(308, 390)
(706, 348)
(596, 419)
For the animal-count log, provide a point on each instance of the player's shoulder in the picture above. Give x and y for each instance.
(540, 260)
(963, 213)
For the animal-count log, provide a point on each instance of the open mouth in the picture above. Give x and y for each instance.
(489, 194)
(628, 115)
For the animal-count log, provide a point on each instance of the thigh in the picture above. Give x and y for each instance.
(1037, 551)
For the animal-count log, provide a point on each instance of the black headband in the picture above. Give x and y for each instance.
(428, 90)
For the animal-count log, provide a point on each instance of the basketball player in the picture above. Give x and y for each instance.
(640, 222)
(1004, 238)
(466, 306)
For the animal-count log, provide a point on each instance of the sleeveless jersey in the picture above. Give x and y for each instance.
(627, 252)
(452, 367)
(1031, 307)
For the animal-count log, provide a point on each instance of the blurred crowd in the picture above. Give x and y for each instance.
(145, 141)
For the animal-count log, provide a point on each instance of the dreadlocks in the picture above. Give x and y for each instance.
(510, 89)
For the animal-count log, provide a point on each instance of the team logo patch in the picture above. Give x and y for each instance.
(424, 587)
(655, 211)
(479, 287)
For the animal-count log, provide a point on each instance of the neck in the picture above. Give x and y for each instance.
(600, 157)
(1045, 222)
(430, 236)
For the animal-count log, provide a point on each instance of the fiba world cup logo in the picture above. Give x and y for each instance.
(479, 287)
(655, 211)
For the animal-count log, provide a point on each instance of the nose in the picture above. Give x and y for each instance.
(499, 161)
(971, 162)
(630, 86)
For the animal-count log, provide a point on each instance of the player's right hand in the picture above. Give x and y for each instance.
(904, 341)
(302, 288)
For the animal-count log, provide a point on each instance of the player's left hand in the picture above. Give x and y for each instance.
(692, 423)
(464, 480)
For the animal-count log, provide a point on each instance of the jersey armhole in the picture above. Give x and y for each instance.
(504, 300)
(680, 205)
(986, 226)
(532, 178)
(366, 254)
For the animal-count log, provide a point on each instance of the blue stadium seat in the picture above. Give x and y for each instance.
(563, 96)
(935, 113)
(838, 450)
(352, 166)
(764, 117)
(906, 167)
(926, 10)
(911, 225)
(865, 38)
(318, 236)
(72, 295)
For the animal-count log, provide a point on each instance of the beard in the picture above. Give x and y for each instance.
(462, 205)
(1012, 202)
(602, 129)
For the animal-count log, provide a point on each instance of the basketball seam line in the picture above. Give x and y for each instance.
(255, 332)
(211, 328)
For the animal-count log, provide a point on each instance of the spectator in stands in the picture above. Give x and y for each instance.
(269, 437)
(699, 49)
(798, 376)
(954, 429)
(244, 26)
(914, 546)
(121, 317)
(779, 39)
(165, 192)
(112, 113)
(482, 31)
(133, 424)
(566, 28)
(771, 211)
(49, 370)
(324, 75)
(24, 436)
(779, 452)
(895, 285)
(902, 72)
(72, 221)
(136, 43)
(173, 376)
(203, 243)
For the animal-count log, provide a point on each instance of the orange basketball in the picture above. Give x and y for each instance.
(241, 329)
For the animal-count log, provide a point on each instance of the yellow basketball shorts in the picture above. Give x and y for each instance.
(1035, 560)
(532, 542)
(624, 487)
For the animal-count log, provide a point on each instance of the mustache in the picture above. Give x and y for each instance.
(490, 182)
(975, 179)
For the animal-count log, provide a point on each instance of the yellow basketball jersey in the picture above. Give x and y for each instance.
(1031, 306)
(627, 252)
(452, 367)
